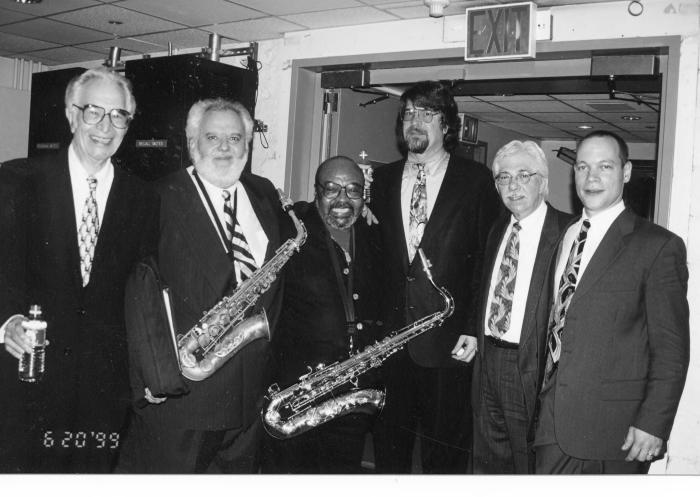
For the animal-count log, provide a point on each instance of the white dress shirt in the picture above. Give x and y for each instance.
(81, 190)
(529, 236)
(251, 227)
(434, 174)
(600, 223)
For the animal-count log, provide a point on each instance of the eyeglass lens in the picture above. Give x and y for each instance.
(522, 178)
(424, 115)
(93, 114)
(332, 190)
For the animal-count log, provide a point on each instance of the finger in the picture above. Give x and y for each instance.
(629, 440)
(470, 355)
(13, 350)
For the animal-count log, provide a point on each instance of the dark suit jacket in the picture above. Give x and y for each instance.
(625, 343)
(194, 264)
(454, 241)
(531, 352)
(85, 386)
(312, 327)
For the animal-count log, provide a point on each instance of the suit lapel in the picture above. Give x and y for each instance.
(114, 220)
(395, 216)
(493, 242)
(265, 214)
(200, 233)
(450, 194)
(609, 249)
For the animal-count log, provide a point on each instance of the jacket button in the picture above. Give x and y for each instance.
(355, 296)
(346, 271)
(410, 278)
(80, 312)
(67, 351)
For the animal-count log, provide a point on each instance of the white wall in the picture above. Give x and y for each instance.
(15, 84)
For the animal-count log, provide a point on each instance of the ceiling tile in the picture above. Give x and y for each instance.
(498, 117)
(133, 45)
(340, 17)
(561, 117)
(14, 43)
(53, 31)
(542, 106)
(183, 38)
(479, 107)
(192, 13)
(66, 55)
(255, 29)
(132, 23)
(8, 16)
(49, 7)
(278, 8)
(513, 98)
(410, 12)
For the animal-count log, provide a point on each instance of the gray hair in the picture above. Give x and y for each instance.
(531, 149)
(198, 109)
(77, 83)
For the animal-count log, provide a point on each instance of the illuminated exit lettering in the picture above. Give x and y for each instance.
(503, 32)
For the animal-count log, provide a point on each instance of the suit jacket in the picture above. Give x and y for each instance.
(194, 265)
(454, 240)
(531, 351)
(85, 386)
(312, 327)
(625, 345)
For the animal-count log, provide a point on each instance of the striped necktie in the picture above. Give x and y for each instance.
(87, 233)
(502, 302)
(567, 285)
(418, 214)
(243, 260)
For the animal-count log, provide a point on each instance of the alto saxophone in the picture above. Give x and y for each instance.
(317, 397)
(223, 331)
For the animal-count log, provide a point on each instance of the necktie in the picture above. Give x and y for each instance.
(502, 302)
(242, 257)
(418, 215)
(87, 233)
(567, 285)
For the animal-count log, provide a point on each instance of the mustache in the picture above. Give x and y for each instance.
(414, 129)
(342, 204)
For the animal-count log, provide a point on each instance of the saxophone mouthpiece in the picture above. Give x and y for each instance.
(286, 202)
(426, 263)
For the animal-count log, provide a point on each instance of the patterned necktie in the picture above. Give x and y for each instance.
(243, 259)
(87, 233)
(567, 285)
(418, 215)
(502, 303)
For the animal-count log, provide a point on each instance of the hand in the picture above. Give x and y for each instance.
(16, 341)
(642, 446)
(153, 400)
(369, 216)
(465, 348)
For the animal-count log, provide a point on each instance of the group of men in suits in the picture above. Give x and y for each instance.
(579, 328)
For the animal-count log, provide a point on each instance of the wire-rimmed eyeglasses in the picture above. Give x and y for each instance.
(425, 115)
(331, 190)
(93, 114)
(504, 179)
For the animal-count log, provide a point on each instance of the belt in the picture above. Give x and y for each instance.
(501, 344)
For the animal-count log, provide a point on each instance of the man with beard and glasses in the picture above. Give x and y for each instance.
(219, 224)
(329, 311)
(445, 205)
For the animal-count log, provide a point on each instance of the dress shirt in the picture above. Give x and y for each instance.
(600, 223)
(81, 190)
(434, 173)
(529, 236)
(251, 227)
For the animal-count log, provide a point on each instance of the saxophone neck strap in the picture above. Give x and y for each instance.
(345, 286)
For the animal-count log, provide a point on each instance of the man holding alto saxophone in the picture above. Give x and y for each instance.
(220, 227)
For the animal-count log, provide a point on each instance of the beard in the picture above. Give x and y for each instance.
(417, 141)
(341, 222)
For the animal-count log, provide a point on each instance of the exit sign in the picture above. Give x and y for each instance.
(501, 32)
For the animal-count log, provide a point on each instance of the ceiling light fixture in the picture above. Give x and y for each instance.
(584, 126)
(631, 118)
(436, 7)
(27, 1)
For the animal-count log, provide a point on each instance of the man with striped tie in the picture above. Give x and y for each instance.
(219, 224)
(618, 334)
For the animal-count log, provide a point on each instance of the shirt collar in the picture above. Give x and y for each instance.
(607, 216)
(535, 218)
(78, 172)
(431, 166)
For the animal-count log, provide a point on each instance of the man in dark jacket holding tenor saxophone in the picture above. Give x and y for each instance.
(219, 225)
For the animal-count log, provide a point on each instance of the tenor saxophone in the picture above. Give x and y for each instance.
(224, 330)
(321, 395)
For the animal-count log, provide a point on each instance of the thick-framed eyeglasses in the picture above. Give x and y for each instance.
(425, 115)
(522, 178)
(93, 114)
(331, 190)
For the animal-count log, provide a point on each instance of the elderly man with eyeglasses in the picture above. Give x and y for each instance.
(513, 312)
(84, 223)
(329, 311)
(434, 200)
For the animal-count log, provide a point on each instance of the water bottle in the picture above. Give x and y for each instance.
(31, 365)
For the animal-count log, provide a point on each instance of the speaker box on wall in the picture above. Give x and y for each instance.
(48, 127)
(165, 88)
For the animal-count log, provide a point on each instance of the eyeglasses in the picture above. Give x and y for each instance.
(424, 115)
(504, 179)
(93, 114)
(331, 190)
